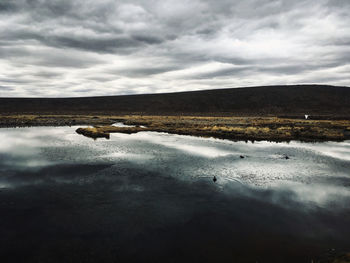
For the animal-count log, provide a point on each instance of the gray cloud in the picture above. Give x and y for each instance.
(5, 88)
(85, 47)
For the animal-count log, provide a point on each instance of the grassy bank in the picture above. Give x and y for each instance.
(29, 120)
(233, 128)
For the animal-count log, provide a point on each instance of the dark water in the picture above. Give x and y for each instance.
(150, 197)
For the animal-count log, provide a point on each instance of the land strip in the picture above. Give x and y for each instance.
(233, 128)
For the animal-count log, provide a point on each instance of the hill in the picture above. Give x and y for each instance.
(317, 100)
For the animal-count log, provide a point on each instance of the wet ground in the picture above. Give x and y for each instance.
(150, 197)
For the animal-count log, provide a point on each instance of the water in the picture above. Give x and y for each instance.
(122, 125)
(149, 197)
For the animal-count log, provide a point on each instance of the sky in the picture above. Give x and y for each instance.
(72, 48)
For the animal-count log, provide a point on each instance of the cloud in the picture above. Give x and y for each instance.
(87, 48)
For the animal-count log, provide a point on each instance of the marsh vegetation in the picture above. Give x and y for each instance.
(233, 128)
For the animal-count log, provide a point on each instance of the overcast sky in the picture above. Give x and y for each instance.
(66, 48)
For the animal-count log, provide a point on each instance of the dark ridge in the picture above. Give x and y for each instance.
(292, 101)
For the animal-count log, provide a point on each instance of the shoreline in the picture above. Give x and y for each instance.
(231, 128)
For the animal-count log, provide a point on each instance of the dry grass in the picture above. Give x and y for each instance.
(234, 128)
(237, 128)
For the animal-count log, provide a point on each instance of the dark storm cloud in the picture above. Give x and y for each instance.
(93, 44)
(140, 71)
(13, 81)
(6, 7)
(5, 88)
(85, 47)
(47, 74)
(229, 72)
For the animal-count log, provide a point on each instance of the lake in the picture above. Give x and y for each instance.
(150, 197)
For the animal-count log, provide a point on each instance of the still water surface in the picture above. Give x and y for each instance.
(150, 197)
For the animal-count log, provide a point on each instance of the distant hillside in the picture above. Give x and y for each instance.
(317, 100)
